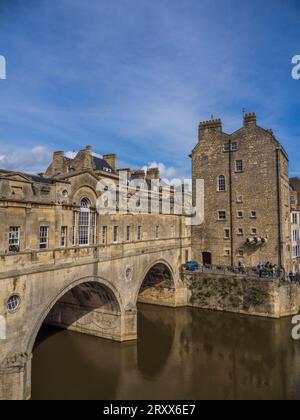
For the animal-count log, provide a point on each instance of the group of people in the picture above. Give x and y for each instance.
(268, 270)
(293, 278)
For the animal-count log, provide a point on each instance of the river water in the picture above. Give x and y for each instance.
(181, 353)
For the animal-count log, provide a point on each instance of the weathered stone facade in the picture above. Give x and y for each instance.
(67, 264)
(247, 196)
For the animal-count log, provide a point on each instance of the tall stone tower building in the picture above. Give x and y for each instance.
(247, 196)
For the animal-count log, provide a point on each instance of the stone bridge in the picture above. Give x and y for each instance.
(92, 290)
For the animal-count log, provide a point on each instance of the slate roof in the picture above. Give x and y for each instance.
(102, 165)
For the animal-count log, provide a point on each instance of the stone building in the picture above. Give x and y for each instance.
(247, 196)
(295, 223)
(57, 209)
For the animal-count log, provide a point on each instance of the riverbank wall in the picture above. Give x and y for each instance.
(243, 295)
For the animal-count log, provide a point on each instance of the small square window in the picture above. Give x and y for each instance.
(240, 231)
(239, 199)
(254, 232)
(222, 215)
(240, 214)
(253, 214)
(241, 253)
(227, 252)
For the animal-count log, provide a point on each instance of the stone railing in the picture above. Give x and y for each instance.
(36, 259)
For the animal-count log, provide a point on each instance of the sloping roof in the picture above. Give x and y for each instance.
(102, 165)
(29, 177)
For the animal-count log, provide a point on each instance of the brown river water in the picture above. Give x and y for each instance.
(180, 354)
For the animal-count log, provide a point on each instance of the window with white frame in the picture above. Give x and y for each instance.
(139, 233)
(157, 232)
(74, 222)
(84, 222)
(227, 233)
(14, 238)
(128, 233)
(104, 235)
(239, 166)
(44, 237)
(240, 231)
(222, 215)
(63, 236)
(116, 234)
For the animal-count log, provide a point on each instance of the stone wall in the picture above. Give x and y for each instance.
(237, 294)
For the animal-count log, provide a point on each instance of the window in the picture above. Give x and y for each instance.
(139, 233)
(227, 252)
(239, 166)
(294, 218)
(13, 303)
(74, 220)
(157, 232)
(254, 231)
(116, 234)
(104, 235)
(233, 148)
(239, 199)
(226, 233)
(253, 214)
(94, 228)
(240, 231)
(241, 253)
(240, 214)
(222, 215)
(221, 183)
(14, 239)
(63, 236)
(128, 233)
(84, 222)
(44, 237)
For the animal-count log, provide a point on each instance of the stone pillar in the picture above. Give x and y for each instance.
(15, 377)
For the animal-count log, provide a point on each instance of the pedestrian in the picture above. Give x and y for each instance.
(260, 269)
(291, 276)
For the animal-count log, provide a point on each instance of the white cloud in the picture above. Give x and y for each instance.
(34, 160)
(165, 171)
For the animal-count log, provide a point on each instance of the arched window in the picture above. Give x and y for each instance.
(85, 203)
(84, 222)
(221, 183)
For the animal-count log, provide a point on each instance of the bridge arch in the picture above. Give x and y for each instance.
(97, 281)
(158, 284)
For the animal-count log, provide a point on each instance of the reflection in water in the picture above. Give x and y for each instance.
(181, 353)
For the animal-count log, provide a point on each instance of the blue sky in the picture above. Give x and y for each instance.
(135, 77)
